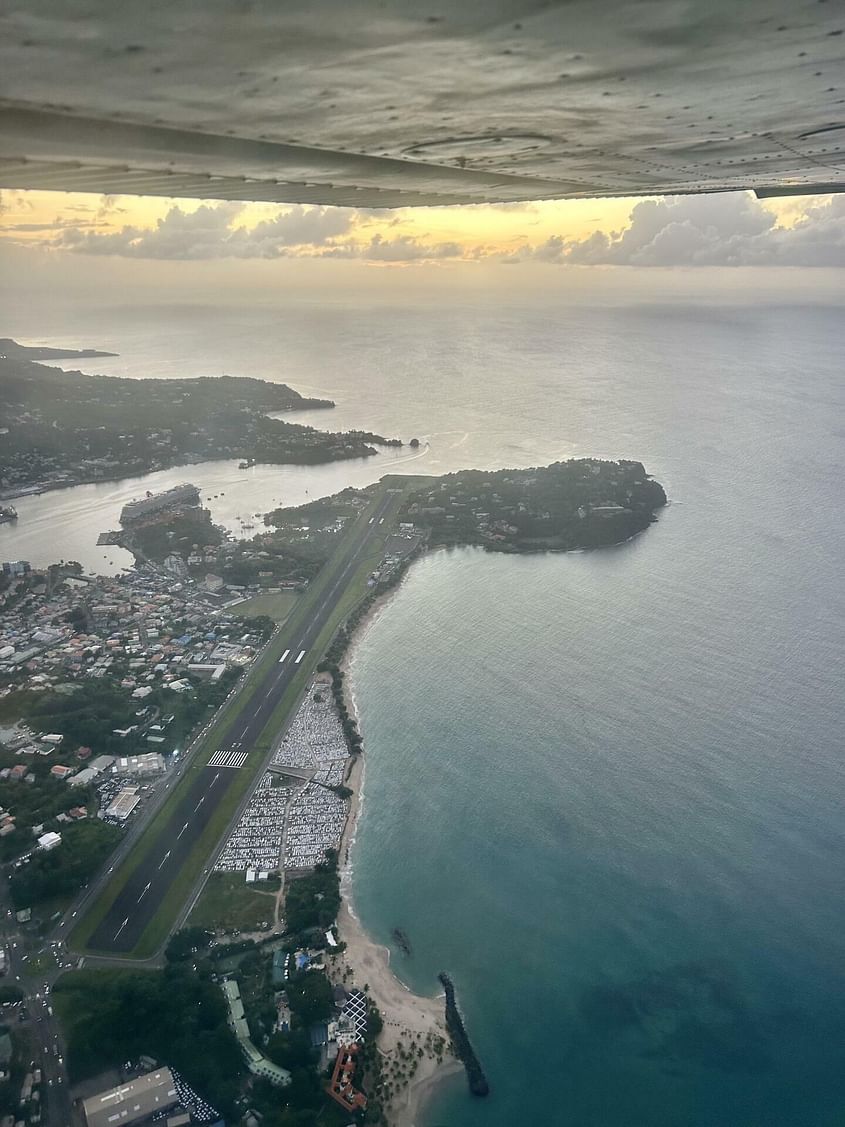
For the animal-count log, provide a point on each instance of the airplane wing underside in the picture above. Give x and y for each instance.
(389, 103)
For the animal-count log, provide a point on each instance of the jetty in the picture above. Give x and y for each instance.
(463, 1049)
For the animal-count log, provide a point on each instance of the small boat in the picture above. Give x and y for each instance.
(8, 513)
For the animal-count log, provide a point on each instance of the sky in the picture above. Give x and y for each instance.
(55, 244)
(732, 229)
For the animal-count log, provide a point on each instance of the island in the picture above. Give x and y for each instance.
(64, 428)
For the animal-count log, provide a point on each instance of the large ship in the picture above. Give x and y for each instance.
(8, 513)
(177, 497)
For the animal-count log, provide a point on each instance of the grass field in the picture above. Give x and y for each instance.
(278, 607)
(228, 902)
(178, 892)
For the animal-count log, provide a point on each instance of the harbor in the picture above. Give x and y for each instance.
(74, 518)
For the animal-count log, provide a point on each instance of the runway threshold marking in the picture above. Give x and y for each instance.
(227, 759)
(231, 757)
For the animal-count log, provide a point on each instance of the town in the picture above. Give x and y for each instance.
(107, 685)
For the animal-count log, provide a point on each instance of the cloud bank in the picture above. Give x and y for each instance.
(723, 230)
(719, 230)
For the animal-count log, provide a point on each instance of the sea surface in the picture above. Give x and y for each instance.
(603, 790)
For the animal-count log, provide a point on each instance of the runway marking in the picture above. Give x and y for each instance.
(301, 656)
(164, 858)
(120, 929)
(370, 521)
(199, 804)
(182, 831)
(144, 893)
(381, 521)
(284, 655)
(228, 759)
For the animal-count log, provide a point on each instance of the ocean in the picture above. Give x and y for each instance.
(604, 790)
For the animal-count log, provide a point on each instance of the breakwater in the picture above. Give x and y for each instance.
(463, 1049)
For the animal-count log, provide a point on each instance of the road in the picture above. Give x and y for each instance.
(36, 1016)
(124, 923)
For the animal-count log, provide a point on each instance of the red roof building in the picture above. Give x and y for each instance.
(340, 1087)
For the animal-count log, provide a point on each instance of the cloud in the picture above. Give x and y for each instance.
(715, 230)
(404, 248)
(56, 225)
(210, 232)
(731, 229)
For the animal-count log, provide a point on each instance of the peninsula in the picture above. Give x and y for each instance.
(65, 428)
(582, 503)
(196, 729)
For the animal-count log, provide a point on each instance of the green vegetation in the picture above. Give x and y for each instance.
(313, 901)
(228, 903)
(16, 1051)
(87, 713)
(187, 943)
(582, 503)
(275, 607)
(310, 997)
(176, 1015)
(63, 871)
(173, 532)
(104, 427)
(33, 804)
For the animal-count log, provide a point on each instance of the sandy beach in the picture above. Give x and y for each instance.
(408, 1018)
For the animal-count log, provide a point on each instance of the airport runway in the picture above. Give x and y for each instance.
(126, 920)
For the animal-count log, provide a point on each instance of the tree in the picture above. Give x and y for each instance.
(186, 943)
(65, 869)
(310, 997)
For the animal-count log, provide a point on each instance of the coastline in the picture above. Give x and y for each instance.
(406, 1016)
